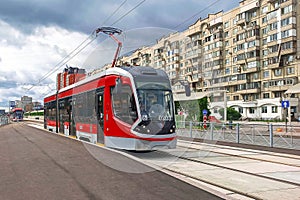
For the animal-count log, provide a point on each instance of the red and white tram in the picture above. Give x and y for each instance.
(16, 114)
(123, 107)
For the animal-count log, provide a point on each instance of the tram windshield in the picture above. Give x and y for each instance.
(155, 101)
(19, 114)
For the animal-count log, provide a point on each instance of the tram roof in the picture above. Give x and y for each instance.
(141, 71)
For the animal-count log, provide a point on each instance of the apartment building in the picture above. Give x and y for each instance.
(249, 55)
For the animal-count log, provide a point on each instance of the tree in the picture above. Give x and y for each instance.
(232, 114)
(194, 108)
(203, 105)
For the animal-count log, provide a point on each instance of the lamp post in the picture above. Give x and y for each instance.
(225, 106)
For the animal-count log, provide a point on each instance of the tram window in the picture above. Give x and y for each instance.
(123, 104)
(84, 111)
(90, 104)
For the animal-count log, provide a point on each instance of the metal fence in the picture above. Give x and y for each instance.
(3, 120)
(267, 134)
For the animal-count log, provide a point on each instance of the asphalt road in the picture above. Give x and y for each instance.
(35, 164)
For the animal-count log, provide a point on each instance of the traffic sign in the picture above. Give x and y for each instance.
(285, 104)
(204, 112)
(12, 104)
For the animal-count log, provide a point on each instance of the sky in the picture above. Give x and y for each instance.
(37, 37)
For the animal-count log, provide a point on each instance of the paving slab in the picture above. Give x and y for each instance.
(238, 181)
(275, 158)
(287, 176)
(284, 194)
(261, 167)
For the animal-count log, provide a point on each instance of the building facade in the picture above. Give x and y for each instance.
(25, 103)
(250, 53)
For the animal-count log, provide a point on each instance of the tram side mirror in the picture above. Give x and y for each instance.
(118, 87)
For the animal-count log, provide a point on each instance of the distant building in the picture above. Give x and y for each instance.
(37, 106)
(25, 103)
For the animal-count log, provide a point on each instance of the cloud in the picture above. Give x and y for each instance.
(84, 16)
(26, 62)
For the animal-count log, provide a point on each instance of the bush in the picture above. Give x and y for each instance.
(232, 114)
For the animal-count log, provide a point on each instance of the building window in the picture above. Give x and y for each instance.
(226, 43)
(286, 21)
(264, 20)
(264, 109)
(273, 37)
(227, 71)
(251, 110)
(290, 70)
(265, 41)
(265, 63)
(266, 74)
(266, 95)
(274, 109)
(227, 62)
(235, 31)
(255, 76)
(226, 24)
(240, 110)
(235, 98)
(273, 26)
(265, 9)
(277, 72)
(277, 94)
(272, 15)
(226, 34)
(287, 9)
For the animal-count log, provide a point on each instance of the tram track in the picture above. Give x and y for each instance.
(241, 171)
(175, 172)
(190, 156)
(277, 155)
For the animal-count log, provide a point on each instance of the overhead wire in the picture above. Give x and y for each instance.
(69, 57)
(135, 7)
(196, 14)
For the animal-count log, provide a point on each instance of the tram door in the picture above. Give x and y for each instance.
(100, 114)
(72, 127)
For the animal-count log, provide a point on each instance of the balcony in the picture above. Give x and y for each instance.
(241, 62)
(251, 70)
(248, 91)
(272, 43)
(288, 39)
(241, 21)
(287, 3)
(273, 66)
(253, 48)
(290, 14)
(271, 32)
(279, 88)
(217, 67)
(222, 84)
(289, 51)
